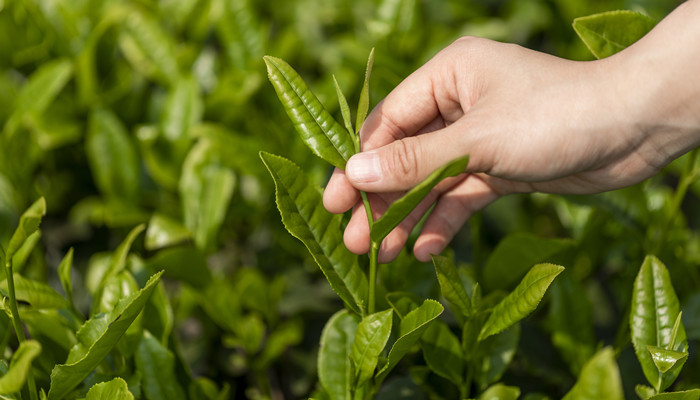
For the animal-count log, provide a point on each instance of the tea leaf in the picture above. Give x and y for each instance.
(334, 365)
(98, 336)
(28, 224)
(301, 206)
(412, 327)
(572, 322)
(607, 33)
(655, 309)
(496, 353)
(666, 360)
(182, 110)
(370, 338)
(599, 379)
(516, 254)
(116, 389)
(693, 394)
(164, 231)
(344, 108)
(522, 301)
(363, 105)
(451, 285)
(38, 294)
(403, 206)
(64, 274)
(317, 128)
(21, 362)
(500, 392)
(186, 264)
(206, 188)
(157, 366)
(113, 159)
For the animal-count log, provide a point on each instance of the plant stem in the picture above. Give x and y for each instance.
(374, 254)
(16, 322)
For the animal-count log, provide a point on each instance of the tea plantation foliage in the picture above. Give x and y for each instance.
(144, 256)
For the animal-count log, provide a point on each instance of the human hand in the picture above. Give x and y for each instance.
(530, 122)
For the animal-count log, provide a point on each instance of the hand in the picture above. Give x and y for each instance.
(530, 122)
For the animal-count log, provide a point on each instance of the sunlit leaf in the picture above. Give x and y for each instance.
(522, 301)
(500, 392)
(116, 389)
(28, 224)
(655, 309)
(344, 108)
(370, 338)
(599, 379)
(334, 367)
(157, 366)
(607, 33)
(64, 274)
(21, 362)
(301, 206)
(97, 337)
(666, 360)
(403, 206)
(451, 285)
(363, 105)
(412, 327)
(316, 126)
(164, 231)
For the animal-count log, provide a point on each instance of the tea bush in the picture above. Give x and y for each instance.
(145, 257)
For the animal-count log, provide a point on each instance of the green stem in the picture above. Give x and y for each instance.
(16, 322)
(374, 254)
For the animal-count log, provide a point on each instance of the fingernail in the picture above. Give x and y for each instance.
(363, 168)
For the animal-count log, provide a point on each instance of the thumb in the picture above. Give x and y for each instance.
(402, 164)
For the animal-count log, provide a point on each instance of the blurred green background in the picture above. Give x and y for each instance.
(128, 112)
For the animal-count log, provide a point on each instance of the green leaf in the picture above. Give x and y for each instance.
(412, 327)
(599, 379)
(644, 392)
(112, 156)
(301, 206)
(344, 108)
(38, 294)
(157, 366)
(655, 309)
(607, 33)
(500, 392)
(21, 362)
(363, 104)
(206, 188)
(186, 264)
(318, 129)
(403, 206)
(285, 335)
(39, 92)
(28, 224)
(495, 354)
(97, 337)
(164, 231)
(182, 110)
(148, 48)
(515, 255)
(693, 394)
(116, 389)
(451, 286)
(371, 337)
(571, 319)
(54, 324)
(522, 301)
(666, 360)
(64, 274)
(334, 366)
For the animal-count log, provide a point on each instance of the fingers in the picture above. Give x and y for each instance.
(339, 195)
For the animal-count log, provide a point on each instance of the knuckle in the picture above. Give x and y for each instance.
(403, 161)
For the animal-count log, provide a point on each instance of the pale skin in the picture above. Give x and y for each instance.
(530, 122)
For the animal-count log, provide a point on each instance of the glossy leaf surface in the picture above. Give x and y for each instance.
(334, 367)
(301, 206)
(28, 224)
(500, 392)
(400, 209)
(363, 104)
(316, 126)
(370, 338)
(412, 327)
(607, 33)
(97, 337)
(655, 309)
(116, 389)
(157, 366)
(599, 379)
(451, 285)
(21, 362)
(522, 301)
